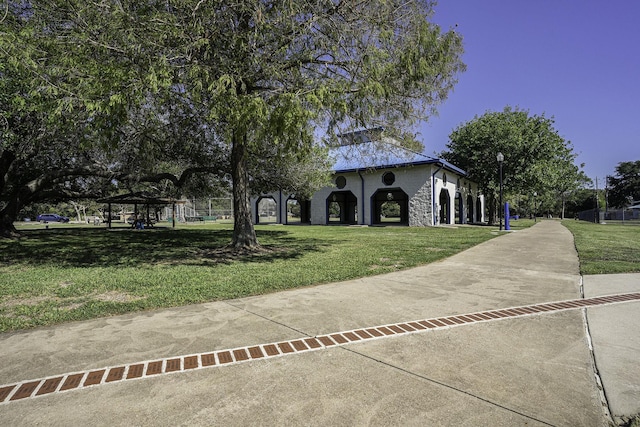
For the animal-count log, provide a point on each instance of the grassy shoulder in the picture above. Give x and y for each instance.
(606, 248)
(70, 272)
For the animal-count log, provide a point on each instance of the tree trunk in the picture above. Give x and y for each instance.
(493, 212)
(8, 216)
(244, 235)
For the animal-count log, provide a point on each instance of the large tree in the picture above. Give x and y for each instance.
(266, 72)
(63, 137)
(624, 187)
(536, 158)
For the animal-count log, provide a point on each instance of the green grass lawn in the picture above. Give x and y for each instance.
(70, 272)
(606, 248)
(74, 272)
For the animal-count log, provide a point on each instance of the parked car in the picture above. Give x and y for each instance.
(52, 218)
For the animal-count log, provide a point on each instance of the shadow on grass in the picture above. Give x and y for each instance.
(130, 248)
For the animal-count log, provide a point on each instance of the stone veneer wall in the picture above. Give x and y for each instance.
(421, 206)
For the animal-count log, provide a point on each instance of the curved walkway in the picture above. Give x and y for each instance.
(520, 356)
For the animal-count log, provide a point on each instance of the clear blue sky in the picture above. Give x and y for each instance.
(575, 61)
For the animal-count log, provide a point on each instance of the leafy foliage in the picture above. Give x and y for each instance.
(259, 76)
(536, 158)
(625, 185)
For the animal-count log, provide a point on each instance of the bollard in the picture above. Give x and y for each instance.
(506, 216)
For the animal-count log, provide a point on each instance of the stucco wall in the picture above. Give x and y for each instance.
(415, 181)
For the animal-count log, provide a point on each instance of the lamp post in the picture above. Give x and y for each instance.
(500, 158)
(535, 207)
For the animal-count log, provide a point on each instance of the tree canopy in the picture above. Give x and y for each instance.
(624, 187)
(536, 158)
(263, 75)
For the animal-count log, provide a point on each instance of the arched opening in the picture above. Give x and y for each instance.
(293, 211)
(298, 211)
(267, 210)
(445, 207)
(390, 207)
(479, 215)
(342, 208)
(459, 209)
(470, 212)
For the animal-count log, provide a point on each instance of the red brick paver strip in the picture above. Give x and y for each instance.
(94, 377)
(135, 371)
(374, 332)
(312, 343)
(437, 323)
(72, 381)
(271, 350)
(339, 339)
(363, 334)
(154, 368)
(490, 315)
(115, 374)
(326, 341)
(5, 392)
(396, 329)
(173, 365)
(255, 352)
(80, 380)
(503, 313)
(299, 345)
(225, 357)
(351, 336)
(191, 362)
(428, 324)
(285, 347)
(240, 355)
(386, 330)
(25, 390)
(406, 327)
(49, 386)
(208, 359)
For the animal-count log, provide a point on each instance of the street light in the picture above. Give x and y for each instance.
(500, 158)
(535, 207)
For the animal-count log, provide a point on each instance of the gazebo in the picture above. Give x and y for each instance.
(141, 199)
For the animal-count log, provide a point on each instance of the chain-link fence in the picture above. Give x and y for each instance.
(197, 210)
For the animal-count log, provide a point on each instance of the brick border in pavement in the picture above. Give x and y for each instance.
(80, 380)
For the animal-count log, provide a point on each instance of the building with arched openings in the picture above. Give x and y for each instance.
(377, 182)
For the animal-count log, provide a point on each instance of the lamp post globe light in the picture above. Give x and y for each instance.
(500, 158)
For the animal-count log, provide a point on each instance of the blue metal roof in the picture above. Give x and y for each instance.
(381, 155)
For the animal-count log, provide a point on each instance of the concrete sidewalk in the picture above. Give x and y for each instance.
(527, 369)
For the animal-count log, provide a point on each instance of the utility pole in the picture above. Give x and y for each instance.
(597, 216)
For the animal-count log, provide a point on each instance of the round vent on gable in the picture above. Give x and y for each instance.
(388, 178)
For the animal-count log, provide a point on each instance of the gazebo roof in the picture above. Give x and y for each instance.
(381, 155)
(141, 198)
(370, 149)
